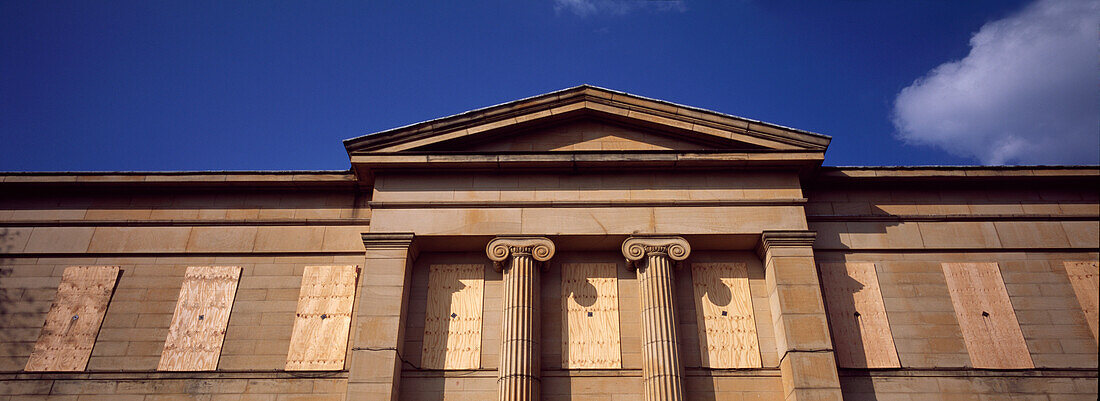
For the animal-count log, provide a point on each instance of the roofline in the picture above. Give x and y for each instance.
(332, 172)
(702, 110)
(938, 175)
(179, 172)
(347, 179)
(346, 142)
(180, 179)
(963, 167)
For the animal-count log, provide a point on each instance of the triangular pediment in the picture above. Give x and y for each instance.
(584, 134)
(587, 118)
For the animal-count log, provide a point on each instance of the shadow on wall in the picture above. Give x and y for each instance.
(832, 238)
(846, 329)
(443, 320)
(9, 297)
(587, 294)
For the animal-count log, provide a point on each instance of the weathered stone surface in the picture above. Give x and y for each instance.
(586, 168)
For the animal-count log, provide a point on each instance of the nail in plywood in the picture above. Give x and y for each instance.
(202, 312)
(986, 317)
(590, 305)
(1084, 277)
(320, 337)
(452, 320)
(857, 316)
(727, 326)
(72, 324)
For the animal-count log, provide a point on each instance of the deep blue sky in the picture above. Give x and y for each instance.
(233, 85)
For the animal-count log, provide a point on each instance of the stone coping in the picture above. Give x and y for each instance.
(348, 179)
(157, 375)
(956, 171)
(235, 179)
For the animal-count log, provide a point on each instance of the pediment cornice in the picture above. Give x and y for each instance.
(589, 102)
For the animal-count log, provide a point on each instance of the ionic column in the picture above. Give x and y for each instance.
(520, 259)
(654, 258)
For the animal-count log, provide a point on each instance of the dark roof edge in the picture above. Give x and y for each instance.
(180, 172)
(909, 175)
(188, 179)
(350, 173)
(956, 167)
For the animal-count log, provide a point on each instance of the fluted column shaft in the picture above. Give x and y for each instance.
(662, 370)
(519, 347)
(662, 373)
(520, 259)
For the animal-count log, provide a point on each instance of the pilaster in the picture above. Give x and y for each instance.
(806, 360)
(374, 372)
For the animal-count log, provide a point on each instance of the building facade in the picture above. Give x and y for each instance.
(585, 244)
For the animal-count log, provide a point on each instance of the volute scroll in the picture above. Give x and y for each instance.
(636, 249)
(501, 249)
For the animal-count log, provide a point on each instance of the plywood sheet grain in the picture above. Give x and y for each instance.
(452, 320)
(195, 337)
(590, 309)
(320, 337)
(73, 322)
(1084, 278)
(988, 322)
(857, 316)
(727, 325)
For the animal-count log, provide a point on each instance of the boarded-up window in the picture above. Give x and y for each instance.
(857, 316)
(727, 326)
(73, 321)
(452, 321)
(988, 322)
(202, 312)
(590, 305)
(320, 337)
(1084, 277)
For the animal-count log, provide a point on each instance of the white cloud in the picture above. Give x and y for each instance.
(1028, 92)
(584, 8)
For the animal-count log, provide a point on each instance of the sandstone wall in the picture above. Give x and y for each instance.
(154, 235)
(906, 230)
(909, 230)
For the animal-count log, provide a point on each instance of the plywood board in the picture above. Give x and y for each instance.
(590, 307)
(320, 337)
(73, 322)
(452, 320)
(202, 312)
(986, 317)
(1083, 276)
(857, 316)
(727, 325)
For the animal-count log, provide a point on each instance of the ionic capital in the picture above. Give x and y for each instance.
(501, 250)
(635, 249)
